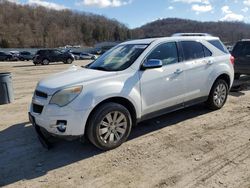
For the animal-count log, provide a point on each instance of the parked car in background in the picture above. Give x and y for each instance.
(83, 56)
(96, 51)
(48, 56)
(4, 56)
(26, 56)
(241, 53)
(15, 55)
(229, 48)
(135, 81)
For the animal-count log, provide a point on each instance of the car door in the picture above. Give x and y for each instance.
(162, 88)
(198, 63)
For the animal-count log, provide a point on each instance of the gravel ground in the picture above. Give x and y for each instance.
(193, 147)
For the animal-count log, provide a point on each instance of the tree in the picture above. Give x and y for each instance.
(4, 43)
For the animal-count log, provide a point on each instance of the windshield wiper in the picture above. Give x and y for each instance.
(100, 68)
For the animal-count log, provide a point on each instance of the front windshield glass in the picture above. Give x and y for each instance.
(118, 58)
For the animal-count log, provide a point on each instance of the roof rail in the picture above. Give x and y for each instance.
(245, 40)
(190, 34)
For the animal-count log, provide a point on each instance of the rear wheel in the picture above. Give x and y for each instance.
(218, 95)
(109, 126)
(45, 62)
(69, 61)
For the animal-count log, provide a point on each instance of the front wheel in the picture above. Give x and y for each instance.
(109, 126)
(218, 95)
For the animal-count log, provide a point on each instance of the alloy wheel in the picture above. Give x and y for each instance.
(220, 95)
(113, 127)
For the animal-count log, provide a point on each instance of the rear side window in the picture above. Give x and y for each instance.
(166, 52)
(192, 50)
(218, 45)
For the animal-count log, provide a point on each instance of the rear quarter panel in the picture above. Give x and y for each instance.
(221, 66)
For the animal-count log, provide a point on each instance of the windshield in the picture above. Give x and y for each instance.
(119, 58)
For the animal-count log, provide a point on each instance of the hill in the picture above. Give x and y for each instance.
(229, 32)
(26, 26)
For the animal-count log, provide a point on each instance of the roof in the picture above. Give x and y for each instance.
(150, 40)
(190, 34)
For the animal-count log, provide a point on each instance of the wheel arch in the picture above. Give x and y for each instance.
(119, 100)
(223, 76)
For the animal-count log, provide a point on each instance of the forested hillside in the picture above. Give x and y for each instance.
(25, 26)
(229, 32)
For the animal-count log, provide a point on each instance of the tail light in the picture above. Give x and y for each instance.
(232, 59)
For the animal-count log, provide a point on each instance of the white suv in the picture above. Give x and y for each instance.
(132, 82)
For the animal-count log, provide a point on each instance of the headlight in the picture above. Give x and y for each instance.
(65, 96)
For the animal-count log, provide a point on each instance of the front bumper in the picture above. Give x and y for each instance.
(43, 140)
(50, 117)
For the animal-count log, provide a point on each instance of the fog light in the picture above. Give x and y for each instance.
(61, 125)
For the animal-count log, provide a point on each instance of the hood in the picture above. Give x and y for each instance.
(69, 78)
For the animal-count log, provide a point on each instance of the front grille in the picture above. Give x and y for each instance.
(41, 94)
(37, 108)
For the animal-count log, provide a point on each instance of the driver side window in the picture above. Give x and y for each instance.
(166, 52)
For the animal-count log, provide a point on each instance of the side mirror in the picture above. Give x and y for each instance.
(151, 64)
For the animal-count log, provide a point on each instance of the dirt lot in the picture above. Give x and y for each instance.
(193, 147)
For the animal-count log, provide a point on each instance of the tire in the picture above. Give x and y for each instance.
(69, 61)
(237, 76)
(45, 62)
(218, 95)
(109, 126)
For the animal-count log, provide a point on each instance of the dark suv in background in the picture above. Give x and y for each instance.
(47, 56)
(5, 56)
(241, 53)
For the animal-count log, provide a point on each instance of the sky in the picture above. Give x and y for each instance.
(135, 13)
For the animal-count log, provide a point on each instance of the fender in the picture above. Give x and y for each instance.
(94, 93)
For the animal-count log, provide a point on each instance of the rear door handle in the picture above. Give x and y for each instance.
(210, 62)
(178, 71)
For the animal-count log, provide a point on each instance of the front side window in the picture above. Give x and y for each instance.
(192, 50)
(166, 52)
(56, 52)
(119, 58)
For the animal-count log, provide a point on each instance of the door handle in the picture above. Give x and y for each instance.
(178, 71)
(210, 62)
